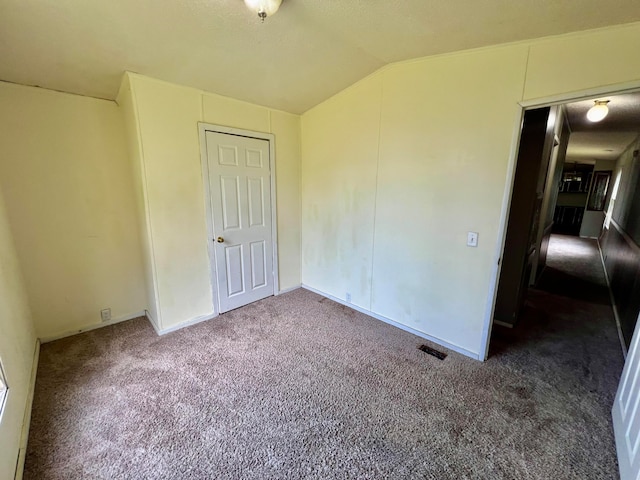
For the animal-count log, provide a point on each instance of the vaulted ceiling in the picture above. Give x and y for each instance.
(308, 51)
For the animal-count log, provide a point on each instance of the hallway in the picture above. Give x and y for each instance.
(566, 336)
(574, 270)
(567, 329)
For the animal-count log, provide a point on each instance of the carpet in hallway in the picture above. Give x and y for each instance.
(567, 335)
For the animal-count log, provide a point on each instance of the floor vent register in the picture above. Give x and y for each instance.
(439, 355)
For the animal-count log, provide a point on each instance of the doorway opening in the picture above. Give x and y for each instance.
(574, 203)
(568, 297)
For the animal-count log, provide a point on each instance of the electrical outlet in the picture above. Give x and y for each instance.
(348, 297)
(105, 314)
(472, 239)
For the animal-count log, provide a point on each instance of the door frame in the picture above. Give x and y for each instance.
(559, 99)
(203, 128)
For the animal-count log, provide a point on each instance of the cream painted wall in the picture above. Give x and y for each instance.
(167, 116)
(442, 149)
(286, 129)
(388, 175)
(129, 116)
(69, 197)
(583, 61)
(340, 156)
(17, 348)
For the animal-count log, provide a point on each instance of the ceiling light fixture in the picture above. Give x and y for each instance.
(264, 8)
(598, 111)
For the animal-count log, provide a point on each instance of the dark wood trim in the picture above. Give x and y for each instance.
(612, 299)
(621, 257)
(626, 236)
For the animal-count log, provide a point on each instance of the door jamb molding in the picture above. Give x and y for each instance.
(203, 128)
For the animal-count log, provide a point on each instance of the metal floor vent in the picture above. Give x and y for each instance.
(431, 351)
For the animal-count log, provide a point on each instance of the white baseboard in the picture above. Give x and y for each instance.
(196, 320)
(186, 323)
(290, 289)
(89, 327)
(613, 303)
(26, 421)
(415, 332)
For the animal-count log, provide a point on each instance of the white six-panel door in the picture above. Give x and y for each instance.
(626, 413)
(240, 204)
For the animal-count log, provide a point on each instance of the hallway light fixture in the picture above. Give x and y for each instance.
(598, 111)
(264, 8)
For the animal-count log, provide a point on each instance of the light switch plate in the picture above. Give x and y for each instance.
(472, 239)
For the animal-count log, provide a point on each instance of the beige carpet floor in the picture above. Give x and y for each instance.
(297, 386)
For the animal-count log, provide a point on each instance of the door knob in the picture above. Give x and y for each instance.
(220, 239)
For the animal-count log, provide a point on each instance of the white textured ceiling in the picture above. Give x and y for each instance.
(586, 147)
(308, 51)
(607, 139)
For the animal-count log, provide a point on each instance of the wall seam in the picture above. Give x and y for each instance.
(526, 72)
(301, 186)
(375, 198)
(300, 197)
